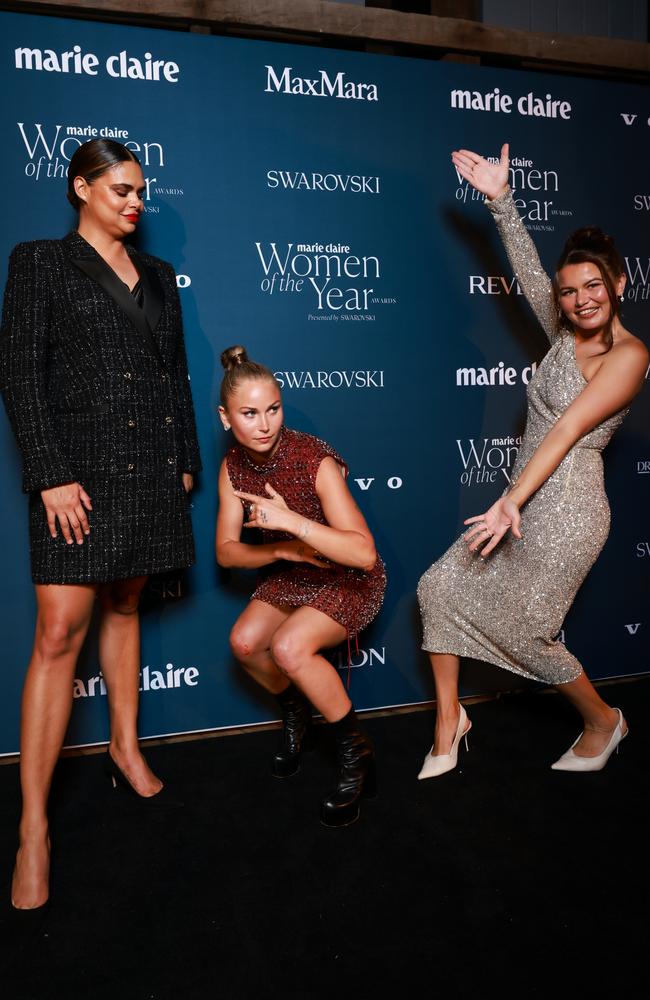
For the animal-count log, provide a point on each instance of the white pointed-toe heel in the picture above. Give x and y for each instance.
(443, 762)
(571, 761)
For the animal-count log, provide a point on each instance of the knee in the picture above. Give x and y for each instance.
(288, 653)
(55, 638)
(241, 642)
(122, 598)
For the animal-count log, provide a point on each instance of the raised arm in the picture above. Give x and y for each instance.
(345, 539)
(491, 179)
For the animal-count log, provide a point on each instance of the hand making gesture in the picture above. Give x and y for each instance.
(491, 179)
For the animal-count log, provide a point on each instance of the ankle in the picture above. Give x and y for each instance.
(448, 715)
(33, 830)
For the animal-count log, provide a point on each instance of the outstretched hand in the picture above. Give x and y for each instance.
(490, 527)
(268, 512)
(491, 179)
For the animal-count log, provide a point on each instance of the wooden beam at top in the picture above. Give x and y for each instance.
(318, 18)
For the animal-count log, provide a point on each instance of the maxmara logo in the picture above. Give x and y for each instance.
(322, 85)
(529, 105)
(122, 65)
(150, 680)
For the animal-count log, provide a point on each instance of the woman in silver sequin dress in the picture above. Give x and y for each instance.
(501, 592)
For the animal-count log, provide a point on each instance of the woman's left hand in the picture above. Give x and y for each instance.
(188, 482)
(490, 527)
(269, 512)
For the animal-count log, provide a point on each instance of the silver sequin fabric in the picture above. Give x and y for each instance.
(508, 608)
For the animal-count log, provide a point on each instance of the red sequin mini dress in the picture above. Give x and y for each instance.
(351, 597)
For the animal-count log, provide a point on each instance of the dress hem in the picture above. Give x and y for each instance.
(495, 663)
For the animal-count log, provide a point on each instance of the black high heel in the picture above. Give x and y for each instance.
(357, 777)
(117, 776)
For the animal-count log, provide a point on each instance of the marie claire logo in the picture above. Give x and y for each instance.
(524, 178)
(638, 271)
(299, 180)
(529, 105)
(318, 268)
(499, 375)
(150, 680)
(359, 658)
(122, 65)
(49, 151)
(322, 85)
(487, 460)
(331, 379)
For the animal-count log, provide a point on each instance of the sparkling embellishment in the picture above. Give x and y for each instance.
(508, 608)
(349, 596)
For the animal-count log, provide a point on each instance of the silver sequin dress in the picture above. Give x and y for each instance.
(508, 608)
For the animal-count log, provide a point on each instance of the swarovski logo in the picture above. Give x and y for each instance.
(628, 119)
(320, 86)
(633, 629)
(642, 550)
(297, 180)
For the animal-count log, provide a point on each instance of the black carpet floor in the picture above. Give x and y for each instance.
(500, 878)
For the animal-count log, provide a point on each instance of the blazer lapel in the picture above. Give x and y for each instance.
(86, 259)
(154, 298)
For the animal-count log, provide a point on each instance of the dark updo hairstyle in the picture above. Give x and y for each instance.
(238, 369)
(592, 246)
(93, 159)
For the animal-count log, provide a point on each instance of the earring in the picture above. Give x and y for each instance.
(622, 298)
(226, 427)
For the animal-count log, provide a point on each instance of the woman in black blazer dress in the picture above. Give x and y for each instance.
(94, 378)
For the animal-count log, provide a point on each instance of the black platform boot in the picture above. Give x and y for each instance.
(356, 761)
(296, 721)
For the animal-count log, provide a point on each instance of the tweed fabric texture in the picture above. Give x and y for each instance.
(351, 597)
(97, 391)
(508, 608)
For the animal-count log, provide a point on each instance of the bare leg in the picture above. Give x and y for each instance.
(250, 641)
(64, 613)
(599, 719)
(119, 656)
(295, 649)
(446, 667)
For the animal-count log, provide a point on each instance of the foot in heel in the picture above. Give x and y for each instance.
(441, 763)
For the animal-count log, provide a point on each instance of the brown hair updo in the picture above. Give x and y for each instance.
(94, 158)
(592, 246)
(238, 369)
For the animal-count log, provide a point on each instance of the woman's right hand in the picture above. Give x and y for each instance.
(296, 551)
(67, 504)
(491, 179)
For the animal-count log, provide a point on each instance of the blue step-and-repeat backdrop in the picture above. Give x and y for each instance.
(307, 200)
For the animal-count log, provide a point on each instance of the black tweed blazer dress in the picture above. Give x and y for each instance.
(97, 391)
